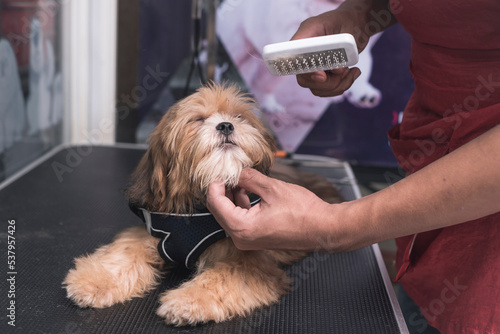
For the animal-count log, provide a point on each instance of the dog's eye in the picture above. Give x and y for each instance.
(197, 120)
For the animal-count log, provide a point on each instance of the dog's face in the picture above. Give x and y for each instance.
(208, 136)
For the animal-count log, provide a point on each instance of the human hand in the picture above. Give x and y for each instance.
(288, 216)
(332, 82)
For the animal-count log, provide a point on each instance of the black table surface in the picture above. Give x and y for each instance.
(72, 202)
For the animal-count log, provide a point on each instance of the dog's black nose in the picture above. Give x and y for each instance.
(225, 128)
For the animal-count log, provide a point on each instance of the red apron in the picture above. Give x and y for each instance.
(452, 274)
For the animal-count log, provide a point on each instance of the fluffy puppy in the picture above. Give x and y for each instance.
(210, 135)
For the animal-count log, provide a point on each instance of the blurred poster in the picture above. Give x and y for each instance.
(350, 127)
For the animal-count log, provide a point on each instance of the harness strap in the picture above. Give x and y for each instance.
(184, 237)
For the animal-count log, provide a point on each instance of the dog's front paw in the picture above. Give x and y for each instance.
(187, 307)
(126, 268)
(91, 285)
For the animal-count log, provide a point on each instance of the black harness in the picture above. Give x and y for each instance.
(183, 236)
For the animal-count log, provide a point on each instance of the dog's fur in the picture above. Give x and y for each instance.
(185, 155)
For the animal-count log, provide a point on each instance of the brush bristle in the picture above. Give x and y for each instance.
(309, 62)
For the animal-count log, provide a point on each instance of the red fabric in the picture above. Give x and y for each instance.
(453, 274)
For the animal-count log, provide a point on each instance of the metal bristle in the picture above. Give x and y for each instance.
(311, 62)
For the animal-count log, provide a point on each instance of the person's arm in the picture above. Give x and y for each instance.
(360, 18)
(461, 186)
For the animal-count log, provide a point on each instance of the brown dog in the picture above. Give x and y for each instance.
(210, 135)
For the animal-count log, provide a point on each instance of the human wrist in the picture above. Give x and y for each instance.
(368, 17)
(357, 11)
(346, 227)
(330, 235)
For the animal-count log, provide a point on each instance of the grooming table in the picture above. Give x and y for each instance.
(71, 201)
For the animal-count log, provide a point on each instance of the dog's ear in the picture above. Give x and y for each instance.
(148, 183)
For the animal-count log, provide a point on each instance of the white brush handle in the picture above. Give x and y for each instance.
(311, 54)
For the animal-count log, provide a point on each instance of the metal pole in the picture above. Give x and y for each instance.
(211, 39)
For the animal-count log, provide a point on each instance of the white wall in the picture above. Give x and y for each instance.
(89, 67)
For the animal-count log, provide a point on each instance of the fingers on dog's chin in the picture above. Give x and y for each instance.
(229, 194)
(216, 189)
(241, 199)
(246, 175)
(252, 180)
(212, 188)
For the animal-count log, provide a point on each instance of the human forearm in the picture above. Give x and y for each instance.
(360, 18)
(459, 187)
(462, 186)
(371, 16)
